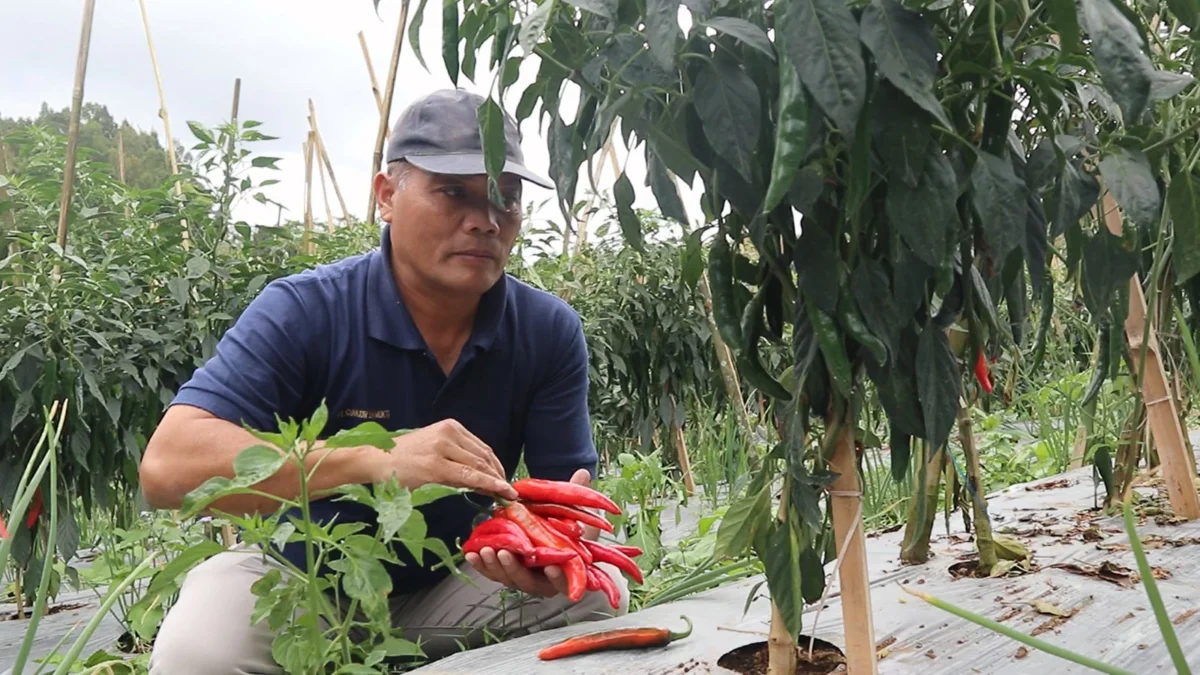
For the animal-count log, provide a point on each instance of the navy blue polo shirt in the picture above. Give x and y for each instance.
(341, 333)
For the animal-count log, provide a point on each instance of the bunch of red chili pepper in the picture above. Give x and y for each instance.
(545, 527)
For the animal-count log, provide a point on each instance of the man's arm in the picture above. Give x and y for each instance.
(259, 370)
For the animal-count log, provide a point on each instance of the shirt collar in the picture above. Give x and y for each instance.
(388, 318)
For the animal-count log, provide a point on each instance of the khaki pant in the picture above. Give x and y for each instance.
(208, 632)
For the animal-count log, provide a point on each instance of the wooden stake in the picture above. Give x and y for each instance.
(162, 112)
(362, 41)
(685, 464)
(853, 578)
(308, 221)
(781, 644)
(729, 372)
(312, 121)
(324, 192)
(1160, 405)
(385, 109)
(64, 206)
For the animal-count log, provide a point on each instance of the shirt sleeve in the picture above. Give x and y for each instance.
(558, 429)
(259, 366)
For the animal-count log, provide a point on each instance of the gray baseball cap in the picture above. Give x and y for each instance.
(440, 134)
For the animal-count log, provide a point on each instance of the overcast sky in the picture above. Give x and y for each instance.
(284, 51)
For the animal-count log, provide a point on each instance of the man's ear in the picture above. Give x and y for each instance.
(385, 190)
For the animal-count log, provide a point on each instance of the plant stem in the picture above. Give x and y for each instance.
(311, 589)
(998, 627)
(1160, 610)
(113, 593)
(922, 509)
(983, 526)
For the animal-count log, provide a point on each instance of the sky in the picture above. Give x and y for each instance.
(285, 52)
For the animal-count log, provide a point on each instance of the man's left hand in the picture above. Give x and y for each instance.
(506, 568)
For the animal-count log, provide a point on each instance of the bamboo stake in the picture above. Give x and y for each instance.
(729, 372)
(308, 220)
(324, 193)
(227, 537)
(385, 110)
(685, 463)
(853, 579)
(362, 41)
(312, 121)
(64, 207)
(1160, 405)
(781, 644)
(162, 112)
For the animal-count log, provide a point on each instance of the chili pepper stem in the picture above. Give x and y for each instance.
(673, 636)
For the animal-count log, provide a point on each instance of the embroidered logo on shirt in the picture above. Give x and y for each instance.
(359, 413)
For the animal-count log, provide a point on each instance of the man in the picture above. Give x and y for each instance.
(426, 333)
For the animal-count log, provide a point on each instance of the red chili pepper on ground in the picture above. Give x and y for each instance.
(505, 542)
(604, 554)
(981, 372)
(543, 556)
(543, 535)
(569, 528)
(609, 587)
(570, 513)
(621, 638)
(562, 492)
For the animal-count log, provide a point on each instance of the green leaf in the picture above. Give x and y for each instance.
(812, 575)
(1117, 47)
(491, 135)
(1187, 11)
(727, 102)
(365, 434)
(1065, 23)
(414, 33)
(829, 339)
(264, 162)
(1072, 196)
(901, 135)
(782, 563)
(566, 156)
(282, 535)
(1165, 84)
(395, 646)
(821, 38)
(741, 521)
(869, 285)
(925, 213)
(662, 30)
(207, 492)
(905, 52)
(1108, 262)
(534, 26)
(394, 514)
(751, 35)
(313, 427)
(1183, 201)
(663, 186)
(14, 361)
(937, 384)
(181, 564)
(1128, 175)
(256, 464)
(450, 39)
(605, 8)
(200, 132)
(363, 576)
(179, 290)
(198, 266)
(693, 259)
(431, 492)
(631, 225)
(816, 262)
(791, 135)
(999, 200)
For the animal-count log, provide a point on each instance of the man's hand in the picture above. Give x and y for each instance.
(506, 569)
(446, 453)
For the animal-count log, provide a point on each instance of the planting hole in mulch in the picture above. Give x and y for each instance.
(752, 659)
(52, 609)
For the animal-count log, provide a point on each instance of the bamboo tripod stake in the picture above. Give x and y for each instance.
(1160, 405)
(64, 207)
(162, 112)
(386, 107)
(362, 41)
(312, 121)
(308, 221)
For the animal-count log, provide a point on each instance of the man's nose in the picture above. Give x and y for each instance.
(485, 219)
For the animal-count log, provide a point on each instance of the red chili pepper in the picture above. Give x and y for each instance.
(593, 580)
(544, 556)
(631, 551)
(604, 554)
(621, 638)
(35, 509)
(570, 513)
(609, 587)
(500, 525)
(543, 535)
(981, 372)
(505, 542)
(569, 528)
(572, 543)
(562, 492)
(3, 529)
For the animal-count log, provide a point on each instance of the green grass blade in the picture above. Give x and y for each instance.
(1017, 635)
(25, 491)
(39, 606)
(1160, 611)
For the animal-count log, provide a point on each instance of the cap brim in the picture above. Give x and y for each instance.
(468, 165)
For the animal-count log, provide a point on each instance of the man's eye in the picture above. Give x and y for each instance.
(512, 201)
(452, 191)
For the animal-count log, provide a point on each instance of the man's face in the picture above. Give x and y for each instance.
(446, 232)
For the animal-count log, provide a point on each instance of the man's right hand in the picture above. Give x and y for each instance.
(446, 453)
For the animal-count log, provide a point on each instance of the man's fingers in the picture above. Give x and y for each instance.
(557, 577)
(472, 444)
(462, 475)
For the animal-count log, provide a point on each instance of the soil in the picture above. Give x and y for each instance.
(52, 609)
(752, 659)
